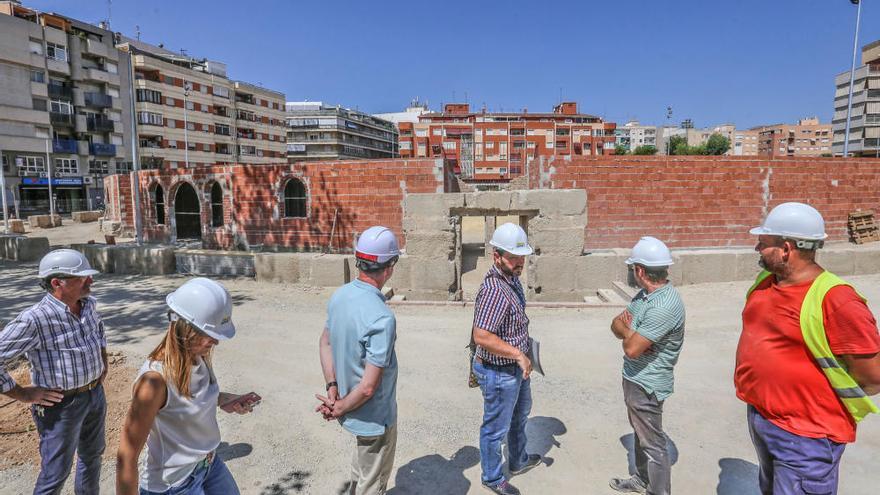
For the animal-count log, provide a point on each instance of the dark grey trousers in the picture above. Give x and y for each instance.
(652, 458)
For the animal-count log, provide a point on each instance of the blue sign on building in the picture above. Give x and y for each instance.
(60, 181)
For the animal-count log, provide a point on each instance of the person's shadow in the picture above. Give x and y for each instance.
(628, 442)
(227, 451)
(435, 475)
(737, 477)
(541, 433)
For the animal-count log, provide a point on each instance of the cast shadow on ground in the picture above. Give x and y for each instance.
(435, 475)
(737, 477)
(292, 482)
(628, 443)
(229, 452)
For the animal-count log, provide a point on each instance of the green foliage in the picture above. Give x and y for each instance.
(621, 150)
(717, 145)
(678, 145)
(645, 150)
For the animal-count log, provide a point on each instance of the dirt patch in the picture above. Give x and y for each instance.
(19, 442)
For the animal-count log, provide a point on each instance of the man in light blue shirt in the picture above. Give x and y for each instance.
(360, 365)
(652, 331)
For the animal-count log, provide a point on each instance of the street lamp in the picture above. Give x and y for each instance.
(187, 86)
(852, 76)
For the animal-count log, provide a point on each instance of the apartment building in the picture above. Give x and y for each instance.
(744, 142)
(64, 110)
(319, 132)
(632, 135)
(485, 146)
(864, 136)
(807, 138)
(411, 114)
(189, 113)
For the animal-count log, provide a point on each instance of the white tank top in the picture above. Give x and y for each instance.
(184, 431)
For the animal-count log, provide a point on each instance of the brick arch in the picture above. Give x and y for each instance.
(280, 185)
(170, 198)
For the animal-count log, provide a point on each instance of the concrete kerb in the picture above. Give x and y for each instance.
(21, 248)
(129, 259)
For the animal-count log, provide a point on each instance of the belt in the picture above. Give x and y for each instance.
(492, 365)
(84, 388)
(206, 461)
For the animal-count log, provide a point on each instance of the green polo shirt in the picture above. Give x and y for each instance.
(659, 317)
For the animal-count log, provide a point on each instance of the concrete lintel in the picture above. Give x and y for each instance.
(431, 204)
(553, 201)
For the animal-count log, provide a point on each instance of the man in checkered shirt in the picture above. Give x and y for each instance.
(62, 337)
(501, 332)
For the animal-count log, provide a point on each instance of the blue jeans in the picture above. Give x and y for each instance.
(213, 479)
(73, 426)
(791, 464)
(507, 401)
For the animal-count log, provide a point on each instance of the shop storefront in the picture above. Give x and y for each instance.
(69, 192)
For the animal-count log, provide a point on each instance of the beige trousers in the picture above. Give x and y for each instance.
(372, 463)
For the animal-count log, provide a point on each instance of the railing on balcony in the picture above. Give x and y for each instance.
(101, 124)
(102, 149)
(151, 162)
(65, 146)
(98, 100)
(60, 91)
(64, 119)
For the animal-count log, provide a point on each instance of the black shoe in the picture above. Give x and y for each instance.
(628, 485)
(503, 488)
(532, 461)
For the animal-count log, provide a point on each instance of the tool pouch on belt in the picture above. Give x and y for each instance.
(471, 351)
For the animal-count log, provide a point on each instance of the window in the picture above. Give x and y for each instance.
(123, 167)
(449, 145)
(190, 126)
(295, 199)
(56, 52)
(159, 201)
(31, 164)
(5, 161)
(113, 92)
(58, 106)
(149, 118)
(66, 166)
(149, 96)
(437, 131)
(100, 167)
(171, 123)
(216, 205)
(38, 76)
(190, 105)
(39, 104)
(247, 150)
(36, 47)
(41, 132)
(221, 92)
(111, 67)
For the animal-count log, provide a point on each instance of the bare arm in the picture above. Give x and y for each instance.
(149, 396)
(357, 396)
(326, 354)
(495, 345)
(865, 369)
(634, 343)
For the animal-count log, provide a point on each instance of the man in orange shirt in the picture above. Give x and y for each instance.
(807, 360)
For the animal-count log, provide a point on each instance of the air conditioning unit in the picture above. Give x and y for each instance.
(88, 180)
(22, 172)
(43, 175)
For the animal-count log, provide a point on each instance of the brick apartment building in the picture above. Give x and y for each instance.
(807, 138)
(320, 132)
(489, 147)
(864, 135)
(189, 112)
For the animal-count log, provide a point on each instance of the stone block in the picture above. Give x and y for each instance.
(596, 271)
(159, 260)
(439, 245)
(85, 216)
(558, 242)
(866, 261)
(210, 263)
(541, 222)
(425, 295)
(326, 270)
(29, 248)
(491, 201)
(747, 267)
(704, 266)
(428, 222)
(277, 267)
(55, 221)
(38, 221)
(555, 274)
(402, 273)
(97, 254)
(432, 204)
(123, 259)
(16, 226)
(433, 274)
(551, 202)
(840, 261)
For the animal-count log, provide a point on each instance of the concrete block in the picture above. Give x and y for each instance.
(542, 222)
(432, 204)
(595, 271)
(866, 261)
(277, 267)
(38, 221)
(123, 259)
(424, 295)
(326, 270)
(433, 274)
(439, 245)
(55, 221)
(698, 267)
(16, 226)
(159, 260)
(547, 273)
(553, 201)
(491, 201)
(29, 248)
(97, 254)
(840, 261)
(428, 222)
(85, 216)
(747, 267)
(558, 242)
(402, 272)
(210, 263)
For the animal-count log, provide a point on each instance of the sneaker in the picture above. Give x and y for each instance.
(503, 488)
(628, 485)
(532, 461)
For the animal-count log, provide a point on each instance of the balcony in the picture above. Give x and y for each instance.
(100, 125)
(60, 91)
(95, 47)
(61, 119)
(151, 162)
(101, 149)
(98, 100)
(64, 146)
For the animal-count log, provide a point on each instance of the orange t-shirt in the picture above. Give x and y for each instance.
(775, 371)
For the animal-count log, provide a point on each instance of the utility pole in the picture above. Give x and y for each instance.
(852, 76)
(3, 198)
(186, 87)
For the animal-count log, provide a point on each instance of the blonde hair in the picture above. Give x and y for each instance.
(173, 353)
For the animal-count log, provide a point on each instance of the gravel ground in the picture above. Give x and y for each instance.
(578, 420)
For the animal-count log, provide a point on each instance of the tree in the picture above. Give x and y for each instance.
(678, 145)
(645, 150)
(717, 145)
(620, 149)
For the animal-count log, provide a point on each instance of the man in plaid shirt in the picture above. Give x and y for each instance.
(62, 337)
(501, 332)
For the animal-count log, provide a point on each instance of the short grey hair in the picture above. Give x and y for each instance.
(655, 274)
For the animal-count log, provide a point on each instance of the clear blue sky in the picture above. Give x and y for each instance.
(748, 62)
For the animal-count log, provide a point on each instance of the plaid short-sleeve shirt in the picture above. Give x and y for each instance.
(500, 308)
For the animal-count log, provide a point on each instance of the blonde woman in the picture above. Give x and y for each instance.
(175, 399)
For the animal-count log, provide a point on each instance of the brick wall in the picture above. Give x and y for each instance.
(706, 201)
(353, 194)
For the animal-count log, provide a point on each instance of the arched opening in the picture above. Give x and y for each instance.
(159, 202)
(216, 205)
(187, 213)
(295, 199)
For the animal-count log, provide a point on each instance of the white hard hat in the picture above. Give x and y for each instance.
(795, 221)
(377, 244)
(650, 251)
(206, 305)
(511, 237)
(68, 262)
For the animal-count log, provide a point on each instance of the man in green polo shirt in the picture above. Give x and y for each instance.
(652, 331)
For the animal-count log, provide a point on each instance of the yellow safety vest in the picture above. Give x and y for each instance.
(848, 391)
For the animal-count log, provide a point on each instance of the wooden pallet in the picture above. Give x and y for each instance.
(862, 227)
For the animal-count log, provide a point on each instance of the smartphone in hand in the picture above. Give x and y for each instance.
(248, 400)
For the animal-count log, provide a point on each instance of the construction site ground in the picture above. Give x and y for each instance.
(578, 421)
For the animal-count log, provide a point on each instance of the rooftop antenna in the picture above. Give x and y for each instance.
(137, 30)
(109, 12)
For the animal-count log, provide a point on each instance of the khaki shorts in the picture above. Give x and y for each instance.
(372, 463)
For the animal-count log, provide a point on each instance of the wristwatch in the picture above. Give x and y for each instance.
(332, 384)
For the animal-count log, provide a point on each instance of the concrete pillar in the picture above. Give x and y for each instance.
(489, 229)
